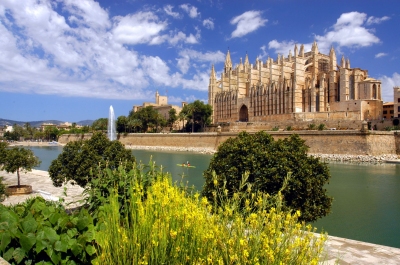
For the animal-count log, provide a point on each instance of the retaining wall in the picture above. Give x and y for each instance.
(373, 143)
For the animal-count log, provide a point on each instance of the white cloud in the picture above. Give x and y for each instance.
(183, 62)
(381, 54)
(246, 23)
(141, 27)
(376, 20)
(264, 53)
(191, 10)
(89, 12)
(387, 85)
(168, 10)
(348, 31)
(208, 23)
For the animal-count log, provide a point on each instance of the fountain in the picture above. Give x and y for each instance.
(111, 133)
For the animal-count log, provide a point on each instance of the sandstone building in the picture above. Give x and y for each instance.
(303, 86)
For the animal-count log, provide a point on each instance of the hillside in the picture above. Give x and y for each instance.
(4, 122)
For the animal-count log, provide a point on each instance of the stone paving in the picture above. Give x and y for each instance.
(337, 250)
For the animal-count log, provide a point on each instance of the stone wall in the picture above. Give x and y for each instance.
(350, 142)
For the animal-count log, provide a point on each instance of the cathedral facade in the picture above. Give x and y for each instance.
(303, 86)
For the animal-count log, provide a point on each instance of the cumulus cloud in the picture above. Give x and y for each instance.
(191, 10)
(208, 23)
(183, 62)
(381, 54)
(348, 31)
(168, 10)
(388, 82)
(141, 27)
(376, 20)
(73, 48)
(247, 22)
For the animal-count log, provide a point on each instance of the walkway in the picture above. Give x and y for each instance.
(337, 251)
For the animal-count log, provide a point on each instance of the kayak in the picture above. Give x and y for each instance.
(184, 165)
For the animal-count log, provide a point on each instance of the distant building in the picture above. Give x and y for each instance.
(161, 105)
(396, 102)
(304, 86)
(388, 110)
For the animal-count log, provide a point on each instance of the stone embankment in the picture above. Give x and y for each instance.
(208, 151)
(355, 158)
(324, 157)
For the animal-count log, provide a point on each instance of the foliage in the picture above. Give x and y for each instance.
(289, 128)
(17, 159)
(40, 231)
(150, 119)
(100, 124)
(172, 117)
(275, 129)
(3, 146)
(312, 126)
(79, 157)
(321, 127)
(51, 133)
(268, 163)
(103, 181)
(197, 115)
(3, 193)
(122, 124)
(167, 227)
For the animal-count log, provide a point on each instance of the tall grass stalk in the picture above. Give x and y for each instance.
(169, 227)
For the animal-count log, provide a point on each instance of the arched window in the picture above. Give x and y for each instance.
(374, 91)
(351, 87)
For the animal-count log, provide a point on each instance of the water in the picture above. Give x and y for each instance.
(111, 131)
(366, 203)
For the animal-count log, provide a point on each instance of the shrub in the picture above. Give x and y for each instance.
(41, 231)
(3, 193)
(268, 162)
(289, 128)
(167, 227)
(276, 128)
(79, 157)
(312, 126)
(321, 127)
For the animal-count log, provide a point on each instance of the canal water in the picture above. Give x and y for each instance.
(366, 204)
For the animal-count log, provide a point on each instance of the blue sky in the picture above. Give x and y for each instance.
(71, 59)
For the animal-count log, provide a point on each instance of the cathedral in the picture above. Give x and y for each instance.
(303, 86)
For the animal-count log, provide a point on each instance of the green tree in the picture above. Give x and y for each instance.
(80, 157)
(3, 146)
(197, 114)
(172, 117)
(268, 162)
(149, 117)
(122, 124)
(100, 124)
(51, 133)
(17, 159)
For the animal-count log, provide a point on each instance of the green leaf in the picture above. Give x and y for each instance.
(5, 240)
(27, 241)
(9, 254)
(50, 234)
(18, 255)
(53, 218)
(82, 223)
(76, 249)
(90, 250)
(29, 225)
(72, 232)
(61, 246)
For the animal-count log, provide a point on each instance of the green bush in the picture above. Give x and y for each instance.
(40, 231)
(276, 128)
(312, 126)
(289, 128)
(3, 193)
(321, 127)
(78, 159)
(268, 162)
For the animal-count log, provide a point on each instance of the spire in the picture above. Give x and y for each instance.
(342, 63)
(332, 57)
(213, 75)
(301, 50)
(290, 55)
(332, 51)
(246, 59)
(228, 62)
(296, 52)
(315, 47)
(348, 63)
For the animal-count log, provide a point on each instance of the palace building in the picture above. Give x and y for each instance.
(303, 86)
